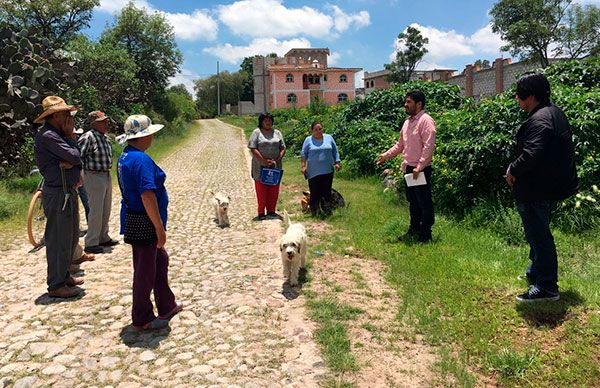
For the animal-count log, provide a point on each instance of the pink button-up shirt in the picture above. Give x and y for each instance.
(416, 142)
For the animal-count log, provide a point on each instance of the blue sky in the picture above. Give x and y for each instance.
(358, 33)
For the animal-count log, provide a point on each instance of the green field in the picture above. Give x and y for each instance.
(459, 292)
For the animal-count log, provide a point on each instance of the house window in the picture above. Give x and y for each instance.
(342, 97)
(372, 83)
(289, 78)
(314, 79)
(291, 98)
(343, 78)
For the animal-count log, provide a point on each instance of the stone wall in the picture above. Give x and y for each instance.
(479, 83)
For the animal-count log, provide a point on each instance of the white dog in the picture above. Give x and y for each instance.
(293, 246)
(221, 203)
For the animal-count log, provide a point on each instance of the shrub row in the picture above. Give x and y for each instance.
(475, 142)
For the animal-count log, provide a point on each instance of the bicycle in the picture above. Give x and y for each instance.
(36, 219)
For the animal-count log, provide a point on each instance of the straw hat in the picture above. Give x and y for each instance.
(137, 126)
(51, 105)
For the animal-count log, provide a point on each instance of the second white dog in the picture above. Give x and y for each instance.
(293, 246)
(221, 204)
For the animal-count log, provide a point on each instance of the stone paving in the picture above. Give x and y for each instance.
(237, 328)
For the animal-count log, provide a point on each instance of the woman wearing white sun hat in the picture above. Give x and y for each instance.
(143, 222)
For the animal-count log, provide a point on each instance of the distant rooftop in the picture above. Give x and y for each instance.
(295, 50)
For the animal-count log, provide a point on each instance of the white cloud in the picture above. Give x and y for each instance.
(186, 77)
(112, 6)
(195, 26)
(198, 25)
(486, 41)
(334, 58)
(444, 45)
(261, 46)
(270, 18)
(343, 21)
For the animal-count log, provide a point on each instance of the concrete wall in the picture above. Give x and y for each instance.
(479, 83)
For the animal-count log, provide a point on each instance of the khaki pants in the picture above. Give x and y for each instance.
(99, 189)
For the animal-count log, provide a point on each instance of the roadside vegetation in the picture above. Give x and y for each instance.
(458, 294)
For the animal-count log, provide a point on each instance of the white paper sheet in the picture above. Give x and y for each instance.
(415, 182)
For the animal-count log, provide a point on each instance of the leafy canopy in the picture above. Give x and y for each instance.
(411, 50)
(150, 41)
(56, 20)
(531, 27)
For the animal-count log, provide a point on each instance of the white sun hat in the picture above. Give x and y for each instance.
(137, 126)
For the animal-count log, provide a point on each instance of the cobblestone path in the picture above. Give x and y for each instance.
(237, 329)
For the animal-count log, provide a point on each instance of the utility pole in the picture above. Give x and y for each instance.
(218, 91)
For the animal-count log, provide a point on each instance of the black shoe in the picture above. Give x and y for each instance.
(109, 243)
(260, 217)
(410, 235)
(536, 294)
(94, 249)
(273, 215)
(425, 239)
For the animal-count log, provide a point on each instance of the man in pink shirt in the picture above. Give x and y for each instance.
(416, 143)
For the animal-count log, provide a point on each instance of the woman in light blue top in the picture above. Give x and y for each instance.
(319, 157)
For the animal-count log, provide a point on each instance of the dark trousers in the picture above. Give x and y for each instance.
(266, 196)
(420, 204)
(320, 191)
(61, 234)
(543, 271)
(150, 272)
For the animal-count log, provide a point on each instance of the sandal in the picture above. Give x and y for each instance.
(156, 324)
(172, 313)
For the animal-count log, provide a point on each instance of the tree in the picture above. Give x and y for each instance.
(150, 42)
(410, 52)
(529, 26)
(108, 75)
(176, 102)
(230, 87)
(181, 89)
(246, 67)
(482, 64)
(57, 20)
(580, 35)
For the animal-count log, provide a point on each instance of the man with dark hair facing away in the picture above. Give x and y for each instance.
(542, 174)
(416, 143)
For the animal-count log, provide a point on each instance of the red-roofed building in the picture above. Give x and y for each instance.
(302, 74)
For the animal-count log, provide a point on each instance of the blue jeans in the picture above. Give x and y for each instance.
(84, 200)
(543, 270)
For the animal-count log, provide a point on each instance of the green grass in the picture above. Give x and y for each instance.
(332, 334)
(16, 193)
(247, 123)
(459, 292)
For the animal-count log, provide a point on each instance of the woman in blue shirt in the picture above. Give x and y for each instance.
(319, 157)
(144, 207)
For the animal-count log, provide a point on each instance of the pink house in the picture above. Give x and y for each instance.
(302, 74)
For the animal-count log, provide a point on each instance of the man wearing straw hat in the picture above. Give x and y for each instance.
(59, 161)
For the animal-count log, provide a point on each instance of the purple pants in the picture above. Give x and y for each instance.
(150, 272)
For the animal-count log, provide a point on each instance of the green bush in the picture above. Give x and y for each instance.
(361, 142)
(387, 105)
(475, 143)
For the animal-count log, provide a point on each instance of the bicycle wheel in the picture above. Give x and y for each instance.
(36, 220)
